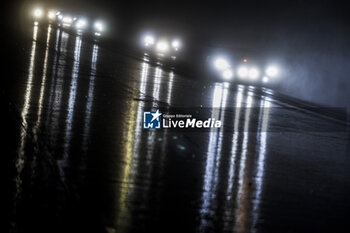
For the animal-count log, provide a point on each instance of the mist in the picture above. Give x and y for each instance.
(308, 39)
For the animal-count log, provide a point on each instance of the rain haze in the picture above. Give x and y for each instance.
(310, 38)
(176, 116)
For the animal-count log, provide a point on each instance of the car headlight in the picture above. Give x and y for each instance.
(51, 15)
(221, 64)
(67, 20)
(227, 74)
(99, 27)
(175, 44)
(272, 71)
(253, 73)
(149, 40)
(81, 24)
(242, 72)
(265, 79)
(162, 46)
(38, 13)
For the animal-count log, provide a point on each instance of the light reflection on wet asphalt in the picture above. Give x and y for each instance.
(84, 162)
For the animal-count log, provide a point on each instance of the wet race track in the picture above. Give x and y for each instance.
(81, 160)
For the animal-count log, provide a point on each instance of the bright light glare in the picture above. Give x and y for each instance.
(67, 20)
(162, 46)
(81, 24)
(176, 44)
(253, 73)
(221, 64)
(51, 15)
(272, 71)
(265, 79)
(60, 17)
(38, 13)
(99, 26)
(149, 40)
(227, 74)
(242, 72)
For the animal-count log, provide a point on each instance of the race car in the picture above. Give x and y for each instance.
(162, 49)
(68, 21)
(245, 68)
